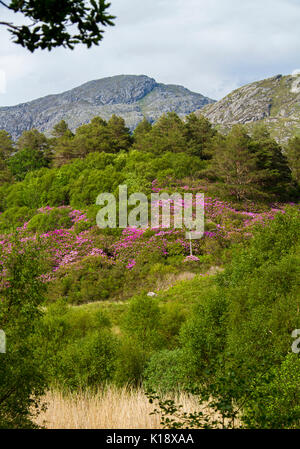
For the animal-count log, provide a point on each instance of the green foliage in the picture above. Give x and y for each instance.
(76, 347)
(167, 134)
(25, 161)
(164, 372)
(22, 380)
(281, 392)
(131, 362)
(50, 24)
(199, 133)
(293, 155)
(61, 129)
(88, 362)
(55, 219)
(93, 281)
(249, 168)
(272, 164)
(143, 128)
(97, 136)
(15, 217)
(6, 150)
(240, 333)
(142, 321)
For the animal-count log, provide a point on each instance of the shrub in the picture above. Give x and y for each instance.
(88, 362)
(164, 372)
(22, 379)
(131, 362)
(54, 219)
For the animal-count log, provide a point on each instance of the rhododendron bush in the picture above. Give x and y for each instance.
(99, 257)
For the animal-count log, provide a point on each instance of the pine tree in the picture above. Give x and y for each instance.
(251, 167)
(6, 145)
(167, 134)
(61, 130)
(142, 129)
(118, 134)
(199, 133)
(34, 140)
(6, 150)
(234, 164)
(271, 164)
(293, 155)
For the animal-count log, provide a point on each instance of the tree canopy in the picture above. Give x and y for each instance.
(58, 24)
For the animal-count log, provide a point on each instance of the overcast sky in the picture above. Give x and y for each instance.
(208, 46)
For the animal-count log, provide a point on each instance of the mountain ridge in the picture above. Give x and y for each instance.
(274, 101)
(131, 96)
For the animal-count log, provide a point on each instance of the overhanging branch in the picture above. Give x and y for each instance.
(10, 25)
(4, 4)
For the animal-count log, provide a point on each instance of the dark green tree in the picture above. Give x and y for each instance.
(272, 165)
(118, 134)
(6, 145)
(143, 128)
(251, 167)
(234, 164)
(293, 155)
(26, 160)
(34, 140)
(199, 133)
(167, 134)
(58, 24)
(6, 150)
(61, 130)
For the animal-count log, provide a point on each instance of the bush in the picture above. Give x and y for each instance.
(88, 362)
(131, 362)
(280, 390)
(236, 343)
(15, 217)
(142, 322)
(22, 379)
(54, 219)
(164, 372)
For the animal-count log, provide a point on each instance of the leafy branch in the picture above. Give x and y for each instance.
(51, 22)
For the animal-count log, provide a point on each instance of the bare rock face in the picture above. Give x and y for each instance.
(129, 96)
(274, 101)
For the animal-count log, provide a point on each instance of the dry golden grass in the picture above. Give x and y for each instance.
(172, 279)
(114, 409)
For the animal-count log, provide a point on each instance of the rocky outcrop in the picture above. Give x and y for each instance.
(274, 101)
(129, 96)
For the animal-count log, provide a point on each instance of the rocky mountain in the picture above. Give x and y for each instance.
(129, 96)
(274, 101)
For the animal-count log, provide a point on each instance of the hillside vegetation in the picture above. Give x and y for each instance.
(74, 298)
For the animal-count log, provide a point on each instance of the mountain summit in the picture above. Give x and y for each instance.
(132, 97)
(274, 101)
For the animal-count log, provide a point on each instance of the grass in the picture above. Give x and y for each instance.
(113, 409)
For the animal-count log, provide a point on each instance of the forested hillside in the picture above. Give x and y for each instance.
(75, 302)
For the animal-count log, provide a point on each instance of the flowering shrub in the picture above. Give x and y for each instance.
(72, 242)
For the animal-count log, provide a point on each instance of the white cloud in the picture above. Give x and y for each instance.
(2, 82)
(209, 47)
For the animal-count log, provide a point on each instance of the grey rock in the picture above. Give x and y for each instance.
(132, 97)
(274, 101)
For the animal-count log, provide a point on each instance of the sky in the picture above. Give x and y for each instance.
(210, 47)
